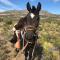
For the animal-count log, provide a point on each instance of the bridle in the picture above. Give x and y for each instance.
(29, 28)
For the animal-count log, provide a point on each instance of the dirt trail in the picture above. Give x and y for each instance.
(21, 57)
(14, 57)
(10, 53)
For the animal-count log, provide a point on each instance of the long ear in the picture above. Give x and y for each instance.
(28, 6)
(39, 6)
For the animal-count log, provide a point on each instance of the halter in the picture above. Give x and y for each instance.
(29, 28)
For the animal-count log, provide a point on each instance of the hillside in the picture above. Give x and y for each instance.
(49, 34)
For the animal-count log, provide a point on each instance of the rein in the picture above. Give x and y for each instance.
(22, 50)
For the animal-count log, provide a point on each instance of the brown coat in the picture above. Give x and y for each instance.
(26, 21)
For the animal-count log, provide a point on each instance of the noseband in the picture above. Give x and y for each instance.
(29, 28)
(29, 34)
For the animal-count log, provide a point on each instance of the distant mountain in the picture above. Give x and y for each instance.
(24, 12)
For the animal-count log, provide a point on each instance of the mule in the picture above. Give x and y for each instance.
(29, 24)
(33, 21)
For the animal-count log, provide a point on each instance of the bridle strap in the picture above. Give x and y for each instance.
(29, 28)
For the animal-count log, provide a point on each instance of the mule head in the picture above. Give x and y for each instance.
(34, 11)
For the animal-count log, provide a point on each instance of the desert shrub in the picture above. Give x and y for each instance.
(8, 22)
(49, 37)
(1, 19)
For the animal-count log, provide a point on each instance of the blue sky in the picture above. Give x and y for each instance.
(52, 6)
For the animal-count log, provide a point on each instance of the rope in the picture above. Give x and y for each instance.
(22, 50)
(33, 51)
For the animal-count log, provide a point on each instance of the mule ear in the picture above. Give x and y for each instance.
(28, 6)
(39, 6)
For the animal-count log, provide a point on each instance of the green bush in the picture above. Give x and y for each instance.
(8, 22)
